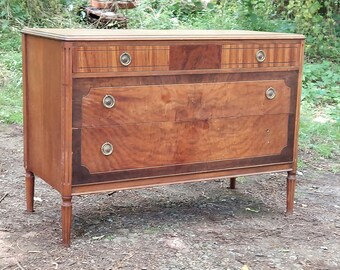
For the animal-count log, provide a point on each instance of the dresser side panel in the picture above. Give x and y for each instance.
(43, 108)
(298, 104)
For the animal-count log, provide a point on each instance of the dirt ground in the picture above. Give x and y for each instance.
(202, 225)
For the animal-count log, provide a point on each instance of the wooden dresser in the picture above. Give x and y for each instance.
(118, 109)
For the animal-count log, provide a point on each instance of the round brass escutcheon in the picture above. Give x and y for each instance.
(270, 93)
(107, 149)
(260, 56)
(125, 59)
(109, 101)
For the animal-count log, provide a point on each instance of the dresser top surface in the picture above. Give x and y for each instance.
(134, 34)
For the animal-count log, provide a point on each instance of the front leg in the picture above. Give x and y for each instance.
(29, 179)
(66, 219)
(291, 182)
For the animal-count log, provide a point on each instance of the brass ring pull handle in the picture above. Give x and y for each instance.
(270, 93)
(107, 149)
(260, 56)
(125, 59)
(109, 101)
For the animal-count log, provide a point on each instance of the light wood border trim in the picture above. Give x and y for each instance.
(66, 120)
(179, 72)
(134, 34)
(297, 114)
(25, 98)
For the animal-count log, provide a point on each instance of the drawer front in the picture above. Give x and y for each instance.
(126, 58)
(120, 58)
(183, 102)
(260, 55)
(168, 143)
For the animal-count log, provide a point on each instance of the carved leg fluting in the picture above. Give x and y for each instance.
(29, 178)
(233, 183)
(291, 182)
(66, 219)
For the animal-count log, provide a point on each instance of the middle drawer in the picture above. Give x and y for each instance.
(183, 102)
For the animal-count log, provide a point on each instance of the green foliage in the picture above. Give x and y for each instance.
(37, 13)
(10, 77)
(317, 19)
(320, 107)
(321, 84)
(14, 15)
(319, 132)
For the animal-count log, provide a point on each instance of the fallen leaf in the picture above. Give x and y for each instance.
(252, 210)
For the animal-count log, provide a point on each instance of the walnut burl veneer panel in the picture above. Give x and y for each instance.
(243, 55)
(184, 102)
(186, 57)
(107, 58)
(43, 95)
(167, 143)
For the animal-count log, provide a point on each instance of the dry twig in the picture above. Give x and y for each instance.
(3, 197)
(20, 266)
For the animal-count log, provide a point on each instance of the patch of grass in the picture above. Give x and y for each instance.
(10, 77)
(320, 107)
(11, 104)
(319, 132)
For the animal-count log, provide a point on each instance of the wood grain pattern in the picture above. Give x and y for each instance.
(25, 98)
(100, 75)
(291, 182)
(243, 55)
(297, 105)
(66, 120)
(29, 179)
(107, 58)
(106, 186)
(159, 144)
(135, 35)
(187, 57)
(44, 79)
(66, 219)
(183, 102)
(82, 87)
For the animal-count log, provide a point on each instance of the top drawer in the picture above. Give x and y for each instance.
(201, 56)
(120, 58)
(260, 55)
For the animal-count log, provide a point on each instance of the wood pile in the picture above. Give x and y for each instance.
(105, 13)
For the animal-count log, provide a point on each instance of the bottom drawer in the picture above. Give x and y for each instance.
(150, 145)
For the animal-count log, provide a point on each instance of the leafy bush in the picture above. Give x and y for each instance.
(317, 19)
(320, 106)
(321, 84)
(37, 13)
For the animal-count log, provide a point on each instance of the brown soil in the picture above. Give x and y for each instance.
(202, 225)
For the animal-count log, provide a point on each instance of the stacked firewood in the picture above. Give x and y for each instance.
(105, 13)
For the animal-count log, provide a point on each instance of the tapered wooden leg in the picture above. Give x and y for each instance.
(291, 182)
(232, 182)
(66, 220)
(29, 178)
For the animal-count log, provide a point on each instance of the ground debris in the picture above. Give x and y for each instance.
(172, 227)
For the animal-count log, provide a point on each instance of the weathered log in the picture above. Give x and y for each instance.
(104, 18)
(111, 4)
